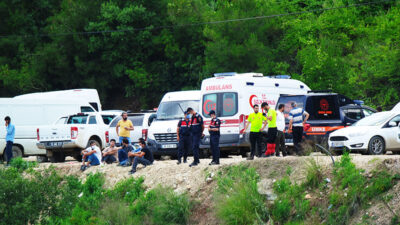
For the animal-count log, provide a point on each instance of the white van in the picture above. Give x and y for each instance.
(28, 114)
(233, 95)
(162, 136)
(89, 95)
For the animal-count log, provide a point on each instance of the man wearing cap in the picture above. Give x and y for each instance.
(214, 137)
(296, 123)
(184, 138)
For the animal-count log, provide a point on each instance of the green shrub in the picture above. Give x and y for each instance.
(314, 174)
(129, 189)
(21, 164)
(237, 200)
(161, 206)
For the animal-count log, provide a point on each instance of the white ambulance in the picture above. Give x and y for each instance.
(162, 136)
(233, 95)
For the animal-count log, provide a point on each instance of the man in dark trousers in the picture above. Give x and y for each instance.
(196, 130)
(184, 138)
(272, 129)
(144, 157)
(214, 137)
(10, 128)
(298, 117)
(258, 123)
(280, 136)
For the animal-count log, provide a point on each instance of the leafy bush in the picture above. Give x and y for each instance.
(314, 174)
(129, 190)
(21, 164)
(237, 200)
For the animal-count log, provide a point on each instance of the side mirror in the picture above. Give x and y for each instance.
(392, 124)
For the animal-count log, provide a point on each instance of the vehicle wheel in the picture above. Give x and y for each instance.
(16, 151)
(42, 159)
(57, 157)
(376, 146)
(78, 158)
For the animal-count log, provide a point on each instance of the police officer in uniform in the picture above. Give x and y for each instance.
(196, 130)
(214, 137)
(184, 138)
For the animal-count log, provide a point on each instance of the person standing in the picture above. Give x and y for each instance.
(196, 130)
(184, 138)
(258, 123)
(110, 154)
(280, 136)
(214, 137)
(10, 129)
(91, 155)
(144, 157)
(272, 128)
(124, 128)
(296, 124)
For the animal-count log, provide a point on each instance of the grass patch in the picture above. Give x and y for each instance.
(237, 200)
(21, 164)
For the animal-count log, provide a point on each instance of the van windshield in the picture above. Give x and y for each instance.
(175, 110)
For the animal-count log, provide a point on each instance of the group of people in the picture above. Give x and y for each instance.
(126, 154)
(275, 120)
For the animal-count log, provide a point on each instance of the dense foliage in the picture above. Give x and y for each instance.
(352, 50)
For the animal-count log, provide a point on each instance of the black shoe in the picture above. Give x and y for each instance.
(184, 161)
(83, 168)
(277, 155)
(193, 164)
(132, 172)
(213, 163)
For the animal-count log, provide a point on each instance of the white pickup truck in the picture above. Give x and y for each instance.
(69, 138)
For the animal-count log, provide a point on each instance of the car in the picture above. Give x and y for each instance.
(141, 123)
(373, 135)
(328, 112)
(69, 137)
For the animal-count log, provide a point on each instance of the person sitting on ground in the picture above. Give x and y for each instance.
(91, 155)
(144, 157)
(110, 154)
(123, 153)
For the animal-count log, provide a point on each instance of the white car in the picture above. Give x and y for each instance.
(374, 134)
(141, 123)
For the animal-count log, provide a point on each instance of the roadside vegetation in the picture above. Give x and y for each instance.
(28, 196)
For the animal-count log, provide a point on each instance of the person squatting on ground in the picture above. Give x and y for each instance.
(184, 138)
(258, 123)
(10, 134)
(124, 128)
(214, 137)
(91, 156)
(196, 130)
(296, 124)
(110, 154)
(123, 153)
(272, 129)
(144, 157)
(280, 136)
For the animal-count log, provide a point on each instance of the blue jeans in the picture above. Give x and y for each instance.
(122, 138)
(122, 155)
(140, 160)
(94, 161)
(9, 152)
(109, 159)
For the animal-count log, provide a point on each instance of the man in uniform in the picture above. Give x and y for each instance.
(184, 138)
(196, 130)
(272, 129)
(258, 123)
(214, 137)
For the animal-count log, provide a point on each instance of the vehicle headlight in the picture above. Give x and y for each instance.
(357, 134)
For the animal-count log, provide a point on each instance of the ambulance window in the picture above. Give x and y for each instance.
(209, 103)
(229, 104)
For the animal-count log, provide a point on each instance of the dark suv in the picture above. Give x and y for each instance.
(328, 112)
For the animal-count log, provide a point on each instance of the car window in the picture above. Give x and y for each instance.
(86, 109)
(107, 118)
(287, 101)
(354, 114)
(396, 120)
(79, 119)
(368, 112)
(229, 104)
(323, 107)
(92, 120)
(137, 120)
(224, 104)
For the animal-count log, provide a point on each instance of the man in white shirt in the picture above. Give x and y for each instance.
(91, 155)
(280, 137)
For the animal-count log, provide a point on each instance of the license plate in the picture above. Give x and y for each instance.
(169, 146)
(338, 144)
(54, 144)
(288, 140)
